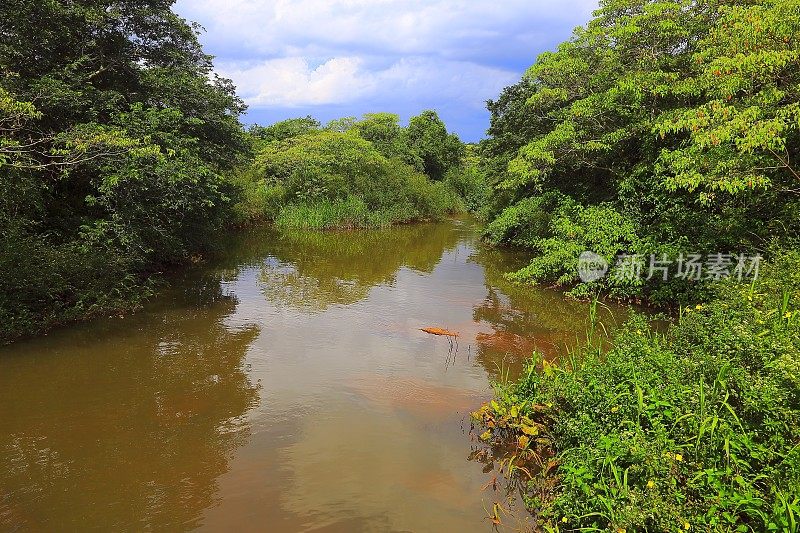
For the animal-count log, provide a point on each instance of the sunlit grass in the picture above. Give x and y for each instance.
(692, 429)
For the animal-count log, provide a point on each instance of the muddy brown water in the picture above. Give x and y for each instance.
(285, 387)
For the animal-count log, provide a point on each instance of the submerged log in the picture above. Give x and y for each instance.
(439, 331)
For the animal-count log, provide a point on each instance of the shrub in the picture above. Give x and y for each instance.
(255, 199)
(330, 179)
(696, 428)
(44, 283)
(469, 183)
(558, 229)
(525, 222)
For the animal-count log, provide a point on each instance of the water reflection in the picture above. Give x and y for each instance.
(314, 270)
(524, 318)
(286, 386)
(122, 425)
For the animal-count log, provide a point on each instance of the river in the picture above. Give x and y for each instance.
(286, 386)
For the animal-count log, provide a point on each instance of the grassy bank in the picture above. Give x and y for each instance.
(697, 428)
(353, 173)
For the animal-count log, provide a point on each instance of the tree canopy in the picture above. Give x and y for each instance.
(114, 137)
(680, 115)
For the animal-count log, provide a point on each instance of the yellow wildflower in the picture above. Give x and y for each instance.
(651, 484)
(564, 519)
(614, 409)
(787, 315)
(686, 526)
(698, 306)
(678, 457)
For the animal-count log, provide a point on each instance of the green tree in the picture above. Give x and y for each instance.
(330, 166)
(439, 150)
(114, 140)
(285, 129)
(341, 125)
(682, 116)
(386, 134)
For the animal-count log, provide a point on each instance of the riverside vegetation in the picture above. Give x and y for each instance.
(660, 128)
(121, 155)
(357, 173)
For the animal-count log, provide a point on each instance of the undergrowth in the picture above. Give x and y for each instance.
(696, 428)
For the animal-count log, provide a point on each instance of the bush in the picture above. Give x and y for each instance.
(558, 229)
(331, 179)
(44, 283)
(696, 428)
(468, 182)
(255, 200)
(525, 222)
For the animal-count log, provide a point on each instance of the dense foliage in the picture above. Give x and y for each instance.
(121, 153)
(661, 128)
(677, 119)
(357, 173)
(697, 428)
(113, 141)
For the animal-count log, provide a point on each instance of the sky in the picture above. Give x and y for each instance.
(337, 58)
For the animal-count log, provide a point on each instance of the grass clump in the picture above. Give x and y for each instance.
(349, 213)
(697, 428)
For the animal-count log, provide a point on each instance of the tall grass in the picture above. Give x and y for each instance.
(694, 429)
(433, 201)
(344, 214)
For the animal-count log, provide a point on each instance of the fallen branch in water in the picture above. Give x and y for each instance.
(439, 331)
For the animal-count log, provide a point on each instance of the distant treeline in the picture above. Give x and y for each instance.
(357, 173)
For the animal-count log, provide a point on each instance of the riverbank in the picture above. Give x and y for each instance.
(693, 429)
(112, 172)
(355, 174)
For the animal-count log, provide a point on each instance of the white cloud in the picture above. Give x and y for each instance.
(415, 27)
(366, 55)
(293, 81)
